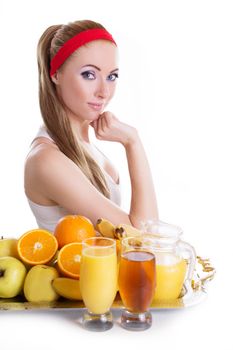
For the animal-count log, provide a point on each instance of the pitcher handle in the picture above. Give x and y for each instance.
(188, 253)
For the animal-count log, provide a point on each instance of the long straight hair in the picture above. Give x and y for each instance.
(52, 109)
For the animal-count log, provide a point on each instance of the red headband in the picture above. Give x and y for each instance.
(74, 43)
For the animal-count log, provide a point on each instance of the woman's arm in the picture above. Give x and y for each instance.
(58, 180)
(143, 199)
(51, 177)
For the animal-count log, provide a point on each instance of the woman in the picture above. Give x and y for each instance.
(64, 172)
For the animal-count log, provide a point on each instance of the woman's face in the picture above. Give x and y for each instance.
(87, 80)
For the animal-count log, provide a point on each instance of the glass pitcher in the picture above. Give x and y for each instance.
(175, 259)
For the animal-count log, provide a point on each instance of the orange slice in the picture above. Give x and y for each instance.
(37, 247)
(69, 258)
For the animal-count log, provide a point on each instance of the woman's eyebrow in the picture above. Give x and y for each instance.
(92, 65)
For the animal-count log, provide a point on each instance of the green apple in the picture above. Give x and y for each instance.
(12, 275)
(38, 284)
(8, 247)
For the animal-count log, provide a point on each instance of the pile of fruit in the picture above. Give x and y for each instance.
(43, 266)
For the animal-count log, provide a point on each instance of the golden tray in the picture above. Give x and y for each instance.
(190, 296)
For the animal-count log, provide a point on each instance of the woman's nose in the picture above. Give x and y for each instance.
(103, 89)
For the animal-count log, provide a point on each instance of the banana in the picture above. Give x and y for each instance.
(67, 287)
(124, 230)
(105, 228)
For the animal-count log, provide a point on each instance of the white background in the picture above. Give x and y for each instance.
(175, 86)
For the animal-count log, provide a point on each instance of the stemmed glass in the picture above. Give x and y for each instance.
(98, 282)
(137, 279)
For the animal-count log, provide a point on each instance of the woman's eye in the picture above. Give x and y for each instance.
(113, 77)
(88, 75)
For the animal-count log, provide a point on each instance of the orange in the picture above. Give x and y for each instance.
(69, 258)
(37, 247)
(73, 228)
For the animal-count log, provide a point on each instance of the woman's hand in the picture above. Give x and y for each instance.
(108, 128)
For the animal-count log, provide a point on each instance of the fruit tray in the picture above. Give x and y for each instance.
(190, 296)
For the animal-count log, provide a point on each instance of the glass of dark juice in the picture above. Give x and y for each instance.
(137, 280)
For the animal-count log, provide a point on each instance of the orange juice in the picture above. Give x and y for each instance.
(98, 279)
(170, 275)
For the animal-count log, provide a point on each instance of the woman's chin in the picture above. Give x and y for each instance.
(95, 116)
(91, 117)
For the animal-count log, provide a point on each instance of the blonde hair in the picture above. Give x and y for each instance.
(52, 109)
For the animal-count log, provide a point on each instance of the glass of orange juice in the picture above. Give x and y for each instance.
(98, 281)
(137, 279)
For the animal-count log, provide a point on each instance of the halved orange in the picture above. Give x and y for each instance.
(37, 246)
(69, 258)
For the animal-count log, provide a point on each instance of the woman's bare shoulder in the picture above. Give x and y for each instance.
(41, 152)
(44, 159)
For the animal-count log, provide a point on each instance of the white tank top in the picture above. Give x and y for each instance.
(48, 216)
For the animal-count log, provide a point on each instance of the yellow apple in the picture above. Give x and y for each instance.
(12, 275)
(38, 284)
(8, 247)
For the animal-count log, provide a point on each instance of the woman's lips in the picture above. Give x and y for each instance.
(96, 106)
